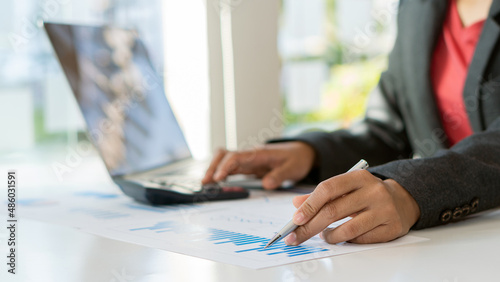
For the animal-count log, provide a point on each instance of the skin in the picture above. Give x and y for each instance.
(472, 11)
(275, 163)
(381, 210)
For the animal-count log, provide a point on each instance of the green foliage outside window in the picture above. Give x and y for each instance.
(344, 95)
(352, 77)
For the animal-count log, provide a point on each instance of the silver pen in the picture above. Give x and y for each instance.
(290, 226)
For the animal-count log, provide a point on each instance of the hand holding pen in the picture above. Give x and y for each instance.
(382, 210)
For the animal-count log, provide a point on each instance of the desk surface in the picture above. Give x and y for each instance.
(465, 251)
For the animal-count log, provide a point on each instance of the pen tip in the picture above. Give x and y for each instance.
(273, 240)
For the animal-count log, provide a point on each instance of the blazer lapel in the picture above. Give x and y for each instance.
(422, 39)
(475, 76)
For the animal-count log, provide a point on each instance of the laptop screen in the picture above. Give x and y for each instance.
(122, 99)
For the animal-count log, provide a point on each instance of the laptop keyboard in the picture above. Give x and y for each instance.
(191, 184)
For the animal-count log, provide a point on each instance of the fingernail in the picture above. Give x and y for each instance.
(321, 236)
(270, 182)
(298, 218)
(217, 175)
(290, 239)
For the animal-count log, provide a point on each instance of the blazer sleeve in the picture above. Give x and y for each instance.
(455, 182)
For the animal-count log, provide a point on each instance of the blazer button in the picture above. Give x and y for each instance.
(446, 216)
(473, 205)
(465, 210)
(457, 213)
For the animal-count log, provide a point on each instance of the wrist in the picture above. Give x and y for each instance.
(410, 211)
(310, 151)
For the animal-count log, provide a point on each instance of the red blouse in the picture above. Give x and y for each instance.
(450, 62)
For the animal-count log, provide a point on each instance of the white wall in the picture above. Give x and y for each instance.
(186, 70)
(17, 120)
(255, 80)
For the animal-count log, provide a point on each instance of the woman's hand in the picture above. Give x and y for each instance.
(382, 210)
(275, 163)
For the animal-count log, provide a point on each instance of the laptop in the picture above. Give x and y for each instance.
(128, 117)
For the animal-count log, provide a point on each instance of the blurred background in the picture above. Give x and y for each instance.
(333, 52)
(330, 55)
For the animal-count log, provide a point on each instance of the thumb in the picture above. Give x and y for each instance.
(275, 177)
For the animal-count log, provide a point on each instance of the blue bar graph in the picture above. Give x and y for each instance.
(35, 202)
(96, 194)
(249, 243)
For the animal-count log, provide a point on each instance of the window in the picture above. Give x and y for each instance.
(42, 128)
(333, 52)
(34, 92)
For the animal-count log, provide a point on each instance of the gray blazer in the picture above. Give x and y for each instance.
(401, 133)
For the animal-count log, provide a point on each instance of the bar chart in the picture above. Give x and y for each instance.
(241, 241)
(97, 195)
(228, 232)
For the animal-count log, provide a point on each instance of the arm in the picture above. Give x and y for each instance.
(420, 193)
(455, 182)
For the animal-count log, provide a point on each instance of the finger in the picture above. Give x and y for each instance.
(227, 165)
(298, 200)
(213, 166)
(329, 190)
(235, 161)
(277, 175)
(359, 225)
(380, 234)
(331, 212)
(258, 171)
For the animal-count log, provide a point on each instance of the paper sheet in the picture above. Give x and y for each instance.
(232, 232)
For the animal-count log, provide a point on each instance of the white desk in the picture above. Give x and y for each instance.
(466, 251)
